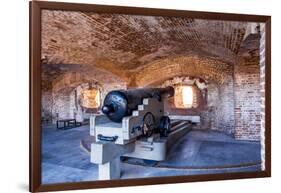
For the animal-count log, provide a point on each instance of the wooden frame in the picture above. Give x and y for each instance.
(35, 93)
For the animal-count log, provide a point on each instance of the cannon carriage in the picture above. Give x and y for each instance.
(133, 124)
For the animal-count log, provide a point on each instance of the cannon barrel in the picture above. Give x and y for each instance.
(120, 103)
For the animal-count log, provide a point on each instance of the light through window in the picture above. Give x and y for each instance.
(187, 96)
(183, 96)
(90, 98)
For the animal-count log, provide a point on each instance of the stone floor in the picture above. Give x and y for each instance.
(199, 152)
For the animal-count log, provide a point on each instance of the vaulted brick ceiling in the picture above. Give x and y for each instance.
(127, 44)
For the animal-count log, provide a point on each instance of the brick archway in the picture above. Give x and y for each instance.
(209, 69)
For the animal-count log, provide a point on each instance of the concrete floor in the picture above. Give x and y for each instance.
(199, 152)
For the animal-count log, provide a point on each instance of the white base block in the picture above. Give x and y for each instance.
(110, 170)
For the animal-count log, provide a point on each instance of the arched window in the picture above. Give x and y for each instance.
(184, 96)
(90, 98)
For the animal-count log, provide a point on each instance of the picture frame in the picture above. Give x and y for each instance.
(35, 8)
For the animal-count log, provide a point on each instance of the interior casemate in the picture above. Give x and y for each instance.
(149, 93)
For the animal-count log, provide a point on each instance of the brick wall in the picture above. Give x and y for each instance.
(142, 51)
(262, 86)
(63, 99)
(47, 107)
(61, 105)
(217, 108)
(225, 108)
(247, 91)
(209, 116)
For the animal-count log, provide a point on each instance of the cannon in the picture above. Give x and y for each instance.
(120, 103)
(133, 125)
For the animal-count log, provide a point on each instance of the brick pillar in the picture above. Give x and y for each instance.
(262, 85)
(247, 90)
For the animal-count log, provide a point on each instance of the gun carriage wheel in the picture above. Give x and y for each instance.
(148, 124)
(164, 126)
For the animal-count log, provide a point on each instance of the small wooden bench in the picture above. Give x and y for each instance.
(68, 123)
